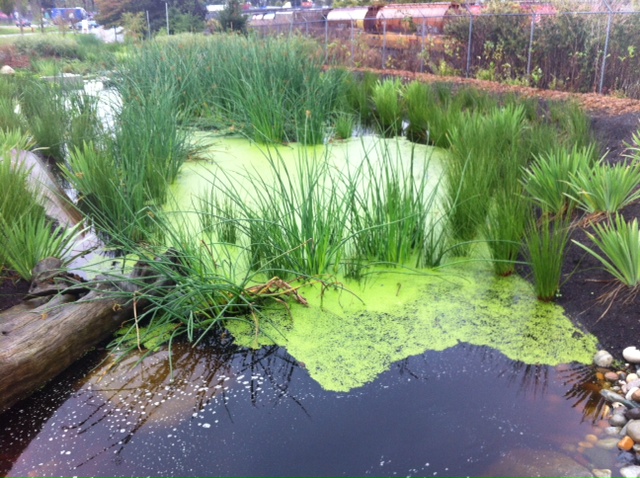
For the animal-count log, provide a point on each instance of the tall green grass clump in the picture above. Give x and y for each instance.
(420, 103)
(505, 228)
(548, 178)
(296, 220)
(619, 245)
(486, 155)
(30, 239)
(546, 242)
(18, 199)
(387, 98)
(358, 91)
(274, 89)
(606, 188)
(392, 218)
(43, 105)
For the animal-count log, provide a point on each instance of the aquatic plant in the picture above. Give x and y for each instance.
(43, 105)
(546, 241)
(605, 188)
(343, 125)
(297, 221)
(505, 228)
(18, 198)
(32, 238)
(619, 244)
(389, 109)
(392, 215)
(548, 178)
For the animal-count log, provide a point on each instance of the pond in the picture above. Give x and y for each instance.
(465, 411)
(430, 373)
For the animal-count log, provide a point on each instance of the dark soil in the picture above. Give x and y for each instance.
(616, 323)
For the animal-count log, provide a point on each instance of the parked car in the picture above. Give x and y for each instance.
(92, 24)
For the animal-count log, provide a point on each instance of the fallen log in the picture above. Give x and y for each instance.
(40, 340)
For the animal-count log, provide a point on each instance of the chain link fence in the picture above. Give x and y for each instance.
(591, 48)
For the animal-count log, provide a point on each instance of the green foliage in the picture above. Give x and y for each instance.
(619, 243)
(546, 242)
(18, 199)
(232, 19)
(389, 108)
(43, 105)
(606, 188)
(28, 240)
(548, 178)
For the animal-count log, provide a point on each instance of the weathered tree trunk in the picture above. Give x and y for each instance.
(36, 344)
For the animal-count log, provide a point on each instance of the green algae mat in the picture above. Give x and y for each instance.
(346, 339)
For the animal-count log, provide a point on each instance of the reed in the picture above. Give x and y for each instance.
(546, 242)
(392, 214)
(43, 105)
(389, 108)
(297, 220)
(505, 228)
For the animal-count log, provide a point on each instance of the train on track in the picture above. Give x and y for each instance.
(421, 18)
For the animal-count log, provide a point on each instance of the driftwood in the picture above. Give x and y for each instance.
(43, 336)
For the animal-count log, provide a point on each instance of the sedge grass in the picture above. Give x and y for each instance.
(504, 230)
(391, 217)
(619, 245)
(30, 239)
(545, 244)
(548, 178)
(18, 198)
(605, 188)
(387, 98)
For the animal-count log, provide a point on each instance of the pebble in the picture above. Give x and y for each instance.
(591, 438)
(601, 473)
(603, 359)
(617, 420)
(625, 458)
(632, 377)
(633, 414)
(633, 430)
(613, 431)
(626, 444)
(608, 443)
(611, 376)
(631, 354)
(585, 444)
(630, 471)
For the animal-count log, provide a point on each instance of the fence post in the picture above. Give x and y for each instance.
(351, 39)
(533, 26)
(326, 41)
(424, 27)
(166, 11)
(606, 47)
(470, 43)
(384, 42)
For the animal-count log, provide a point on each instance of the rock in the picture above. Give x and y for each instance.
(617, 420)
(633, 414)
(611, 376)
(636, 395)
(626, 443)
(631, 354)
(625, 458)
(526, 462)
(630, 471)
(603, 359)
(591, 438)
(601, 473)
(7, 70)
(613, 431)
(630, 391)
(608, 443)
(632, 377)
(633, 430)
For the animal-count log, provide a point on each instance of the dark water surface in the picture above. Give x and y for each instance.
(451, 413)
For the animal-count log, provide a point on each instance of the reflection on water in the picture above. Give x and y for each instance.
(230, 412)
